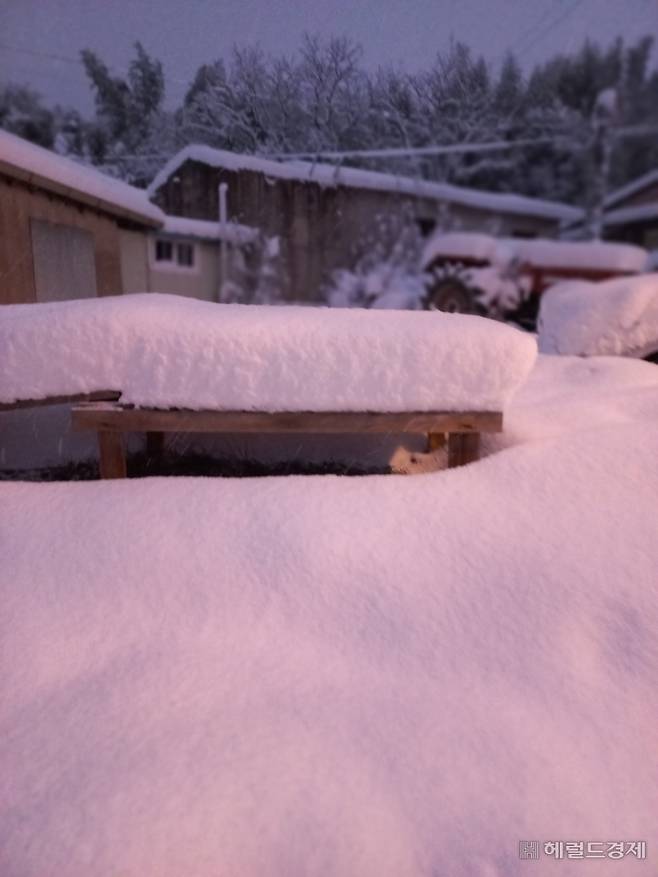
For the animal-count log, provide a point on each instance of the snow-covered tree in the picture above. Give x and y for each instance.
(387, 273)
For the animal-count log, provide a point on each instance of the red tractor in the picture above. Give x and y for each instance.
(504, 277)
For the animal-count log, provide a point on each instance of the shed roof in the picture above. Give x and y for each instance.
(328, 175)
(45, 169)
(202, 229)
(632, 188)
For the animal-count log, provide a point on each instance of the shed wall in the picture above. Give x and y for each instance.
(18, 205)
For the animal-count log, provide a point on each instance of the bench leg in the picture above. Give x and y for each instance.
(463, 448)
(112, 455)
(435, 440)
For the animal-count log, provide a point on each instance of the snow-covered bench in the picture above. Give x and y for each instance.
(200, 367)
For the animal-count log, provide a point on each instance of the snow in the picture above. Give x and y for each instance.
(43, 167)
(167, 351)
(343, 676)
(328, 175)
(632, 188)
(634, 213)
(460, 245)
(587, 255)
(232, 232)
(611, 318)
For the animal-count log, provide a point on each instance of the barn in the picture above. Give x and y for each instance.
(323, 216)
(631, 212)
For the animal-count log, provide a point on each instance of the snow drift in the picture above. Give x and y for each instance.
(342, 676)
(615, 317)
(167, 351)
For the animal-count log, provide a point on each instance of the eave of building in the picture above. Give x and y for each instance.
(330, 176)
(632, 188)
(38, 181)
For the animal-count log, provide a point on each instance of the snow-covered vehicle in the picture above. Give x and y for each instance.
(614, 318)
(505, 277)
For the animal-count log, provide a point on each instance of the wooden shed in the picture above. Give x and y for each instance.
(631, 212)
(67, 230)
(323, 215)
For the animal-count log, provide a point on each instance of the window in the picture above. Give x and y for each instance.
(179, 255)
(185, 255)
(164, 251)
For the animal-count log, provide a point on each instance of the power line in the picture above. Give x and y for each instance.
(566, 13)
(78, 62)
(454, 148)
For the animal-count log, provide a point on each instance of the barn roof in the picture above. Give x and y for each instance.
(45, 169)
(327, 175)
(632, 188)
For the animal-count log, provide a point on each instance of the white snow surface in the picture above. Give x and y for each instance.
(35, 161)
(633, 213)
(167, 351)
(343, 676)
(232, 232)
(610, 318)
(329, 175)
(592, 255)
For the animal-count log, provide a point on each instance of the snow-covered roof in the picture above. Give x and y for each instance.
(648, 179)
(584, 255)
(636, 213)
(328, 175)
(40, 167)
(231, 232)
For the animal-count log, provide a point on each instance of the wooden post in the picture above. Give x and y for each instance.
(463, 448)
(112, 455)
(435, 440)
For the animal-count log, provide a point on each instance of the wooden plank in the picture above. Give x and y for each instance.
(463, 448)
(113, 417)
(100, 396)
(112, 455)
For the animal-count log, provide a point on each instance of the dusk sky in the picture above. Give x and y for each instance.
(40, 40)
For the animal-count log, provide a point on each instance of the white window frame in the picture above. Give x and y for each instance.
(172, 266)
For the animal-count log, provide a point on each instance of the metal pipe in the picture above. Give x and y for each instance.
(223, 230)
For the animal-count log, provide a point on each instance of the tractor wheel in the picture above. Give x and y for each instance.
(451, 295)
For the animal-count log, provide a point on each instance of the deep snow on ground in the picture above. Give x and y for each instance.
(343, 676)
(169, 351)
(611, 318)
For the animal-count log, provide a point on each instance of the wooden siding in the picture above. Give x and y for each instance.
(320, 228)
(19, 204)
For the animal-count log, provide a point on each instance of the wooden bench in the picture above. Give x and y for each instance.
(99, 396)
(111, 419)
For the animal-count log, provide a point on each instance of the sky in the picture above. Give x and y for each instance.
(40, 40)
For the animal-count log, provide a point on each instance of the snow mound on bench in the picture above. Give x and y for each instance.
(612, 318)
(320, 676)
(167, 351)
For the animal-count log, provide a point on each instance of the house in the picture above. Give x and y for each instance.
(70, 231)
(322, 216)
(631, 212)
(197, 258)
